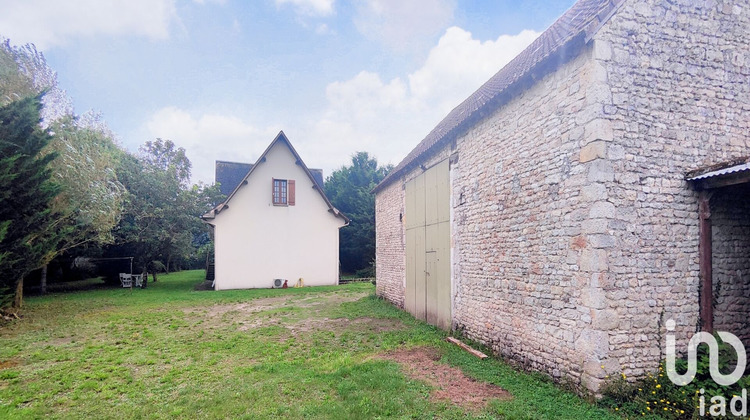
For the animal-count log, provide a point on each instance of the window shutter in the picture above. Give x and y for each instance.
(273, 191)
(290, 192)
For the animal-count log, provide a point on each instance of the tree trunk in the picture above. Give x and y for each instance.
(155, 275)
(169, 261)
(145, 279)
(44, 279)
(18, 298)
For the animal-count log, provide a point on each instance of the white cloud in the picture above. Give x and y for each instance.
(389, 118)
(404, 25)
(210, 137)
(364, 113)
(49, 23)
(310, 7)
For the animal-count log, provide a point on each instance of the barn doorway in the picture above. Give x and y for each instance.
(724, 214)
(428, 274)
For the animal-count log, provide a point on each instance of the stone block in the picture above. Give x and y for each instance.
(602, 210)
(605, 320)
(593, 298)
(598, 129)
(602, 50)
(593, 150)
(593, 260)
(593, 343)
(601, 170)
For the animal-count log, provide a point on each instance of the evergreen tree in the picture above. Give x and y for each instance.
(26, 192)
(350, 190)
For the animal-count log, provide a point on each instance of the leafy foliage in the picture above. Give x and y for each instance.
(23, 73)
(27, 221)
(656, 396)
(161, 225)
(350, 190)
(91, 199)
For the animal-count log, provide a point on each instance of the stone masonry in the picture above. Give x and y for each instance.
(574, 233)
(730, 215)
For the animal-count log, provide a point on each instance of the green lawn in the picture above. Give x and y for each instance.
(170, 351)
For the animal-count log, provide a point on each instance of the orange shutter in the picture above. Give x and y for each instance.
(290, 192)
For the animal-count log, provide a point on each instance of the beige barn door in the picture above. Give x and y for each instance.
(428, 280)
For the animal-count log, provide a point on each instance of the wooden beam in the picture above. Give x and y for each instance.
(477, 353)
(704, 258)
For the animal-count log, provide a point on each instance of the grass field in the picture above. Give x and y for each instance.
(170, 351)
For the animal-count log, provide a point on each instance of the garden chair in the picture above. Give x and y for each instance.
(126, 280)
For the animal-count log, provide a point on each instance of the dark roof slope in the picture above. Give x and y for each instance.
(230, 174)
(561, 41)
(318, 176)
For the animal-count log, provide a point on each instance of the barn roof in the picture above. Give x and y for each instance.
(561, 41)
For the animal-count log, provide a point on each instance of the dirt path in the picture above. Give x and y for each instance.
(450, 383)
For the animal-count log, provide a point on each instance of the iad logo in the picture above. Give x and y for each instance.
(718, 407)
(713, 346)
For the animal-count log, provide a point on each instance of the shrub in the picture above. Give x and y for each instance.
(655, 395)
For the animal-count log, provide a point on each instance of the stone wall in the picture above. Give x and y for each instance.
(390, 243)
(730, 219)
(678, 100)
(574, 233)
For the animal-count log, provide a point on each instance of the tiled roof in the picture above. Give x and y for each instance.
(559, 42)
(230, 174)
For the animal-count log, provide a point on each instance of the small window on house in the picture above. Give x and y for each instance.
(283, 192)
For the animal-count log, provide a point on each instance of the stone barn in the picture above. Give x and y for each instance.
(592, 189)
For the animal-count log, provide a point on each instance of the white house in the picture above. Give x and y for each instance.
(276, 224)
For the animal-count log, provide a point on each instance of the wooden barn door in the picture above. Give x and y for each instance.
(428, 279)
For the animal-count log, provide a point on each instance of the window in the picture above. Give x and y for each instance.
(283, 192)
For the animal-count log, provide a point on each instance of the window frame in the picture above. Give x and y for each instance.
(281, 198)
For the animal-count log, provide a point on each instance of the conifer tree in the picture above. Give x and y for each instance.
(26, 192)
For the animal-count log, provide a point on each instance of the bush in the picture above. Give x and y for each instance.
(657, 396)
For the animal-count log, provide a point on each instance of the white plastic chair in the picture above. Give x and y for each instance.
(138, 280)
(126, 280)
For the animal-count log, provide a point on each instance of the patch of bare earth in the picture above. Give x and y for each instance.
(7, 364)
(342, 324)
(450, 383)
(249, 314)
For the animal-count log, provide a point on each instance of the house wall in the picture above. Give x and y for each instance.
(257, 242)
(574, 233)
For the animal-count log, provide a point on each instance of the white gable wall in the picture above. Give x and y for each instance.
(257, 242)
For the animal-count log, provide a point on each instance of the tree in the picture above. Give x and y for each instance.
(90, 201)
(26, 193)
(161, 224)
(23, 73)
(350, 190)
